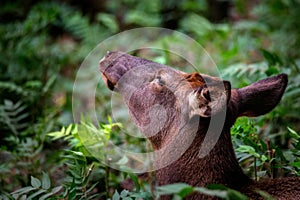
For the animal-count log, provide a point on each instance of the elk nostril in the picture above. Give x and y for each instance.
(110, 85)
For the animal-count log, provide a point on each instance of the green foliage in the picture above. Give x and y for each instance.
(49, 30)
(37, 49)
(69, 133)
(141, 13)
(261, 156)
(87, 137)
(181, 190)
(285, 114)
(281, 17)
(12, 115)
(39, 189)
(43, 43)
(84, 138)
(197, 25)
(77, 183)
(294, 154)
(126, 195)
(250, 149)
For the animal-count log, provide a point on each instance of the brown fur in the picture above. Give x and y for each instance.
(190, 96)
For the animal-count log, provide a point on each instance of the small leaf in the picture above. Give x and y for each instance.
(173, 188)
(36, 183)
(49, 83)
(263, 158)
(78, 153)
(23, 190)
(247, 149)
(124, 193)
(53, 191)
(141, 195)
(94, 196)
(63, 130)
(56, 135)
(74, 129)
(293, 133)
(109, 21)
(127, 198)
(68, 130)
(122, 161)
(46, 182)
(295, 164)
(265, 195)
(217, 193)
(23, 197)
(35, 194)
(135, 179)
(91, 188)
(185, 191)
(271, 58)
(271, 71)
(233, 194)
(116, 196)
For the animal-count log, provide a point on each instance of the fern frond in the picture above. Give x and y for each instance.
(241, 69)
(12, 115)
(40, 189)
(77, 184)
(14, 88)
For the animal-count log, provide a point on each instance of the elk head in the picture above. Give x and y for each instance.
(172, 108)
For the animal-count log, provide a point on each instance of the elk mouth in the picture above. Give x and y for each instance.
(108, 83)
(108, 66)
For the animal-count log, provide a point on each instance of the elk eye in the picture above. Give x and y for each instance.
(160, 81)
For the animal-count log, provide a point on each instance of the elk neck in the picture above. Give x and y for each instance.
(219, 166)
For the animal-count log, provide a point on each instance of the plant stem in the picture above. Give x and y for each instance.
(271, 156)
(255, 170)
(107, 171)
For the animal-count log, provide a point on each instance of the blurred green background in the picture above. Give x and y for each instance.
(43, 44)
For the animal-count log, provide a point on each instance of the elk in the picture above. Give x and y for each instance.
(181, 107)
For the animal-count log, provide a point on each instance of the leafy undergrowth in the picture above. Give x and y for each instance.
(42, 44)
(86, 178)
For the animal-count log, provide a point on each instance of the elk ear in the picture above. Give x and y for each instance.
(262, 96)
(210, 99)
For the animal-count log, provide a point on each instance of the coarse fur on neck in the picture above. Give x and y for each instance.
(211, 169)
